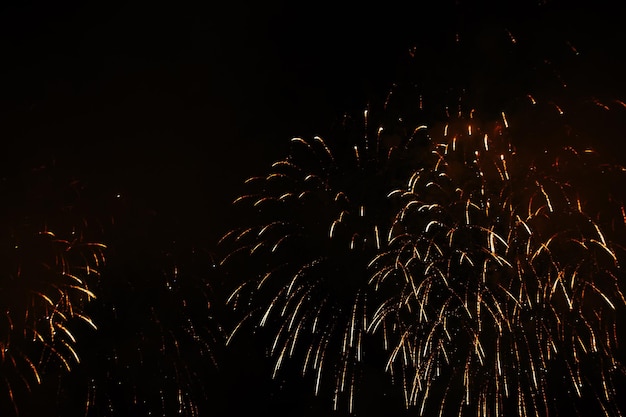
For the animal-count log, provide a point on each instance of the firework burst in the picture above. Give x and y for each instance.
(484, 246)
(50, 262)
(505, 275)
(310, 227)
(154, 352)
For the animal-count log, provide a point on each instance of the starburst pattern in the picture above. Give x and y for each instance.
(494, 269)
(50, 262)
(505, 273)
(155, 350)
(309, 228)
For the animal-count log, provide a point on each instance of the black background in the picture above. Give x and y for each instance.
(177, 103)
(184, 100)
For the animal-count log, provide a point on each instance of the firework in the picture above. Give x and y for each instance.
(504, 279)
(494, 271)
(308, 229)
(154, 352)
(49, 265)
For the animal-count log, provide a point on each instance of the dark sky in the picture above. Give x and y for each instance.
(208, 93)
(184, 101)
(177, 103)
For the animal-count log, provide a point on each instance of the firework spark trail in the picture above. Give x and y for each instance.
(506, 274)
(147, 315)
(500, 271)
(156, 345)
(50, 262)
(309, 228)
(508, 277)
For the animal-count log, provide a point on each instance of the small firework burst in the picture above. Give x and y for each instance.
(157, 340)
(50, 261)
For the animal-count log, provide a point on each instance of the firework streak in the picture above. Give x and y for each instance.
(49, 266)
(484, 250)
(505, 275)
(154, 350)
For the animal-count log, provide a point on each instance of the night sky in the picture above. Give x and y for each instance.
(168, 108)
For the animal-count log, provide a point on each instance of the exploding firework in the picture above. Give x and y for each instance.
(50, 262)
(493, 271)
(138, 333)
(497, 285)
(309, 228)
(154, 352)
(505, 279)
